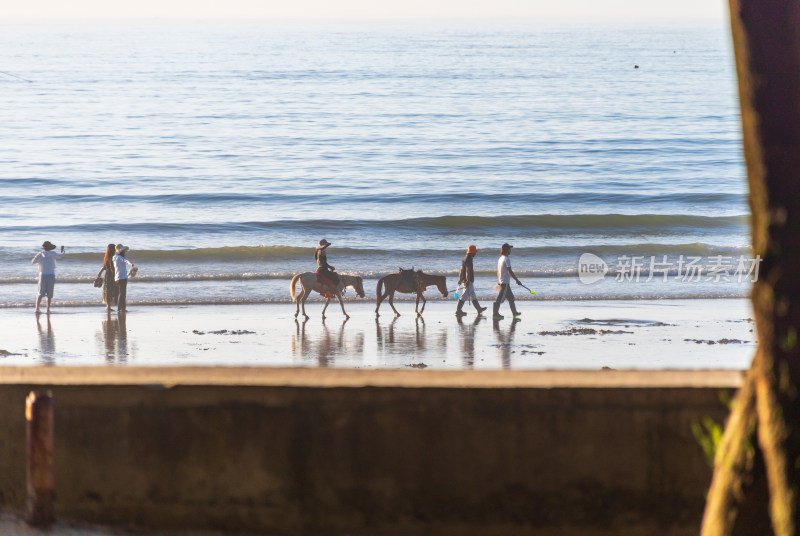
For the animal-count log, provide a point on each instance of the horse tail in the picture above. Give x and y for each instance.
(378, 291)
(293, 284)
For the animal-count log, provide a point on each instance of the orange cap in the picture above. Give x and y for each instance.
(472, 249)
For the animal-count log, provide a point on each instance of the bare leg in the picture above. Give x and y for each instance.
(38, 303)
(49, 299)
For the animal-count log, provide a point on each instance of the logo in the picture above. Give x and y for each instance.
(591, 268)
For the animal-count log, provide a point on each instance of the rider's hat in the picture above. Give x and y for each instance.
(472, 249)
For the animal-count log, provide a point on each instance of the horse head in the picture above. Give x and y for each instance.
(355, 281)
(426, 280)
(358, 285)
(441, 284)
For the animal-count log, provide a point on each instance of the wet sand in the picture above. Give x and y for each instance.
(586, 335)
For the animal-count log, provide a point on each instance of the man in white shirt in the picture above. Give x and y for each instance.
(46, 259)
(121, 276)
(504, 276)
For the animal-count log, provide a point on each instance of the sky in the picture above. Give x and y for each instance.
(367, 9)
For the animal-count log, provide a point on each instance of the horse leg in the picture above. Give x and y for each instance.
(327, 301)
(380, 299)
(391, 302)
(297, 300)
(339, 295)
(379, 295)
(424, 301)
(303, 303)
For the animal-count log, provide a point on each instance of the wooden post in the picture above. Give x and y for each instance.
(756, 484)
(41, 488)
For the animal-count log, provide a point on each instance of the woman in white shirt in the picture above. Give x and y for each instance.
(121, 276)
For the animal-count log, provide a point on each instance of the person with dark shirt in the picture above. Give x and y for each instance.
(466, 278)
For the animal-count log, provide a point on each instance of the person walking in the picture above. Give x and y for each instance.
(121, 276)
(504, 276)
(46, 259)
(110, 291)
(466, 278)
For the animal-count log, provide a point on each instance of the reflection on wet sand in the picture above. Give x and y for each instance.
(466, 338)
(47, 340)
(505, 340)
(394, 340)
(327, 345)
(115, 338)
(416, 344)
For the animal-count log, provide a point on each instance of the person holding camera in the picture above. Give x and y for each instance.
(46, 259)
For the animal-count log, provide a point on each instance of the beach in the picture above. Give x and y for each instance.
(235, 147)
(551, 335)
(222, 152)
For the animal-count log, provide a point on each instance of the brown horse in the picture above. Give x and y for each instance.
(308, 282)
(395, 283)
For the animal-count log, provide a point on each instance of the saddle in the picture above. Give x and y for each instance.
(328, 289)
(408, 278)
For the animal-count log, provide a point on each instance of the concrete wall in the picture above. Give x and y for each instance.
(370, 452)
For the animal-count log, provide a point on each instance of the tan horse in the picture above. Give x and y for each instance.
(393, 283)
(308, 282)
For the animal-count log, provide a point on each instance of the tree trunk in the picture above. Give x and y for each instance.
(756, 484)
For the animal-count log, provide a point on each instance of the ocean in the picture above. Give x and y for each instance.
(221, 152)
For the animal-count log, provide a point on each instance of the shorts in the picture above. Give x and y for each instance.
(467, 292)
(47, 283)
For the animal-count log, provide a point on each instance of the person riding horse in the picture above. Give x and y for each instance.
(323, 268)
